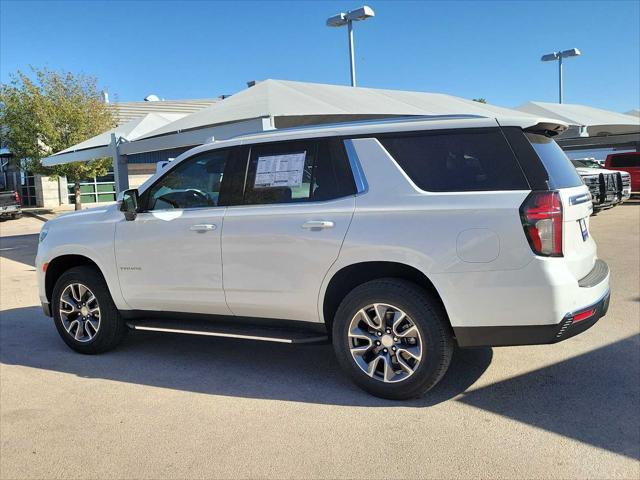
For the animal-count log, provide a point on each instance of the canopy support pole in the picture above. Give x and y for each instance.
(120, 166)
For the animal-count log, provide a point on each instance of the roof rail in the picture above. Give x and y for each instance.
(354, 123)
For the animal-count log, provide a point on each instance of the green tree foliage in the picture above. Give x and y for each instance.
(48, 111)
(480, 100)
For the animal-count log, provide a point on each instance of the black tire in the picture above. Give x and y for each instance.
(16, 216)
(426, 313)
(112, 327)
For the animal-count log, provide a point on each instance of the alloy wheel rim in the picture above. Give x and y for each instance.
(385, 342)
(80, 312)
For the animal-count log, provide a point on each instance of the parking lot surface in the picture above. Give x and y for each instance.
(171, 406)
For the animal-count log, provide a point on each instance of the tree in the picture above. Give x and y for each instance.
(480, 100)
(49, 111)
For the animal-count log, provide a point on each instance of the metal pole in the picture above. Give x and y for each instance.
(351, 53)
(120, 166)
(560, 79)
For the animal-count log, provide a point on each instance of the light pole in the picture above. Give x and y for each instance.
(347, 19)
(573, 52)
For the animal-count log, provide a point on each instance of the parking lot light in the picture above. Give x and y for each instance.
(347, 19)
(551, 57)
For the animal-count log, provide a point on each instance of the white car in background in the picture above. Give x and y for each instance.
(397, 240)
(607, 187)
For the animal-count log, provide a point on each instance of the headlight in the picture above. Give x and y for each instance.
(43, 233)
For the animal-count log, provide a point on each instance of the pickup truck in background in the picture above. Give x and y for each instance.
(607, 187)
(628, 162)
(9, 204)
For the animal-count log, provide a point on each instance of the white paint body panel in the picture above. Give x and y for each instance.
(259, 261)
(165, 265)
(273, 267)
(89, 233)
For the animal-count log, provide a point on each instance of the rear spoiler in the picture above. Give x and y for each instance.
(547, 129)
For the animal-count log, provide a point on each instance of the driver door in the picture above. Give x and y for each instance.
(169, 257)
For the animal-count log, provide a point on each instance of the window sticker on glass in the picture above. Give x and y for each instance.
(280, 170)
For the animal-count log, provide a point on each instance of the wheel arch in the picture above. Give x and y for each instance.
(57, 266)
(350, 276)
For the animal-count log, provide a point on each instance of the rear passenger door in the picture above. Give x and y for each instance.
(288, 228)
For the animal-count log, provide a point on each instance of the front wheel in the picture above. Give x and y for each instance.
(392, 338)
(84, 313)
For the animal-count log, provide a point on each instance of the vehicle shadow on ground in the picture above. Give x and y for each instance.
(20, 248)
(299, 373)
(593, 398)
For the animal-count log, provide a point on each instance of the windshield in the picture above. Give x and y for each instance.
(586, 163)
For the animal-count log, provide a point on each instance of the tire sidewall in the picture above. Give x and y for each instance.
(426, 315)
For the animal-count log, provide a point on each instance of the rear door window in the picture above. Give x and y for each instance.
(627, 160)
(458, 161)
(562, 173)
(298, 171)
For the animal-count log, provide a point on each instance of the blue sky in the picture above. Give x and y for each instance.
(204, 49)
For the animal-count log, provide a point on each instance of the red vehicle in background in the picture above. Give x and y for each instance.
(627, 162)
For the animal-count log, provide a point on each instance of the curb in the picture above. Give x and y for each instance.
(35, 215)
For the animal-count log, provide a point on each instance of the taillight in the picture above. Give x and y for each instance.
(17, 195)
(541, 215)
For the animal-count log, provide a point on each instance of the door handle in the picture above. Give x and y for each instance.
(202, 227)
(317, 224)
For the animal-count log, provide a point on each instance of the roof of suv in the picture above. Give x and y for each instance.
(398, 124)
(366, 127)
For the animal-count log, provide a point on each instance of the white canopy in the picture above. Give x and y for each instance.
(596, 120)
(100, 145)
(300, 103)
(273, 104)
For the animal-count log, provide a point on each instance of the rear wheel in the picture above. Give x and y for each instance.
(84, 313)
(392, 338)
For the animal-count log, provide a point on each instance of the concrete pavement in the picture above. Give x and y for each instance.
(171, 406)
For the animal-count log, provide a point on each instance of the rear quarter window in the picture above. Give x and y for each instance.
(562, 173)
(457, 161)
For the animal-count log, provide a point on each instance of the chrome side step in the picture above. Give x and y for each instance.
(243, 332)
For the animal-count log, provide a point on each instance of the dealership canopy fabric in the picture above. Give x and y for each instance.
(283, 104)
(300, 103)
(99, 146)
(597, 121)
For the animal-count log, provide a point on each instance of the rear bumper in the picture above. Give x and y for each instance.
(10, 209)
(572, 323)
(533, 334)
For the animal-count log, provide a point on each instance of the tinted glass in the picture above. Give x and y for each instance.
(628, 160)
(298, 171)
(460, 161)
(194, 183)
(562, 174)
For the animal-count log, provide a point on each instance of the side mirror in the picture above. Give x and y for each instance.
(129, 204)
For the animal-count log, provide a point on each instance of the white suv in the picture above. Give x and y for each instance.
(396, 239)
